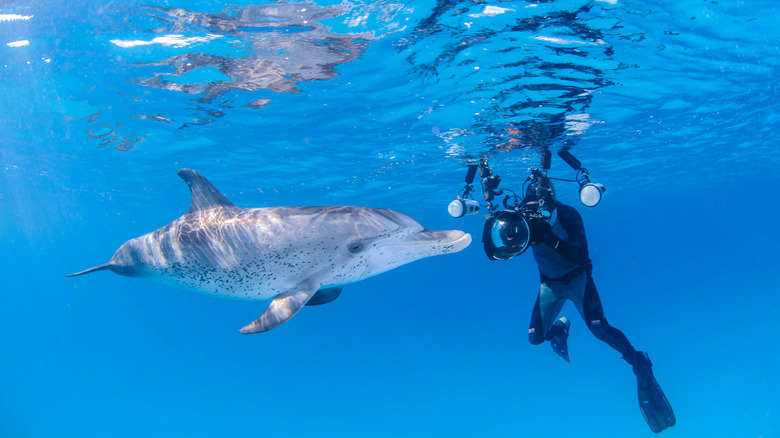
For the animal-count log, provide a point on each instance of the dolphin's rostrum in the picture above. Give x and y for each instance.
(297, 255)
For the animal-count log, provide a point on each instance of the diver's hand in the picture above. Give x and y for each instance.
(541, 232)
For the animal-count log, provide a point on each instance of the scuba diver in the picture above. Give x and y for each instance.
(556, 235)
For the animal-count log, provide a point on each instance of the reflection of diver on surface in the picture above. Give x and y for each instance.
(556, 235)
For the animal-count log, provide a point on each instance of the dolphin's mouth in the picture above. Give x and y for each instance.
(455, 238)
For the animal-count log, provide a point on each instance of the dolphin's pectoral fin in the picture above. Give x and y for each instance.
(324, 296)
(282, 308)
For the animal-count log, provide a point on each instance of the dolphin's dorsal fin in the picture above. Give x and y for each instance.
(204, 194)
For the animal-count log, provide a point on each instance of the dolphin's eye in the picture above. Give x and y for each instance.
(355, 246)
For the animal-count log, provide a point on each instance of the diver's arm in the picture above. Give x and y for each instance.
(575, 248)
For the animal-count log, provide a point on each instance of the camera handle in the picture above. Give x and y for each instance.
(490, 183)
(470, 173)
(546, 160)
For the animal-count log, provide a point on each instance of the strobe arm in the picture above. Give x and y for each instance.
(570, 159)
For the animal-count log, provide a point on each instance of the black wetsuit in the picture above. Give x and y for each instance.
(567, 269)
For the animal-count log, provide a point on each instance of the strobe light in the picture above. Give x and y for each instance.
(590, 193)
(462, 207)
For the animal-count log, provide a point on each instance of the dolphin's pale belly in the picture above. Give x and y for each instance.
(239, 253)
(252, 281)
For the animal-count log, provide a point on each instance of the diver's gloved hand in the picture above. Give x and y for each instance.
(541, 232)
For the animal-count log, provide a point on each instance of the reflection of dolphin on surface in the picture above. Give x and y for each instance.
(281, 44)
(299, 255)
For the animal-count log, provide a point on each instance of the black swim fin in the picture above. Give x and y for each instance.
(655, 407)
(559, 334)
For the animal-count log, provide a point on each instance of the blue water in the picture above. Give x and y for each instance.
(671, 104)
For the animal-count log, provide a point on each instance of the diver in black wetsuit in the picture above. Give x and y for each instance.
(560, 249)
(556, 235)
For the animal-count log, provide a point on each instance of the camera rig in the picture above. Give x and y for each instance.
(507, 232)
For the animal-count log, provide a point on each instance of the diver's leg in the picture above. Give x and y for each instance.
(548, 306)
(655, 407)
(536, 329)
(593, 313)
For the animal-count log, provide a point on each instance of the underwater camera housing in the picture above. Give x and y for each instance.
(507, 233)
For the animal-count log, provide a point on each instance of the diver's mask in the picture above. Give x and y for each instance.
(506, 235)
(540, 200)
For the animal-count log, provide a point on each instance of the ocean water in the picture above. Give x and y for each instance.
(672, 105)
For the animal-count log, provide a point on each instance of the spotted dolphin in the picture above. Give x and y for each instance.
(296, 255)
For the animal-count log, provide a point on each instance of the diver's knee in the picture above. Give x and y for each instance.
(535, 337)
(599, 328)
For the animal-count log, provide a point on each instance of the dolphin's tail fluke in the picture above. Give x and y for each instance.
(103, 267)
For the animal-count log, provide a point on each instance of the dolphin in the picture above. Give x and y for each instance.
(296, 255)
